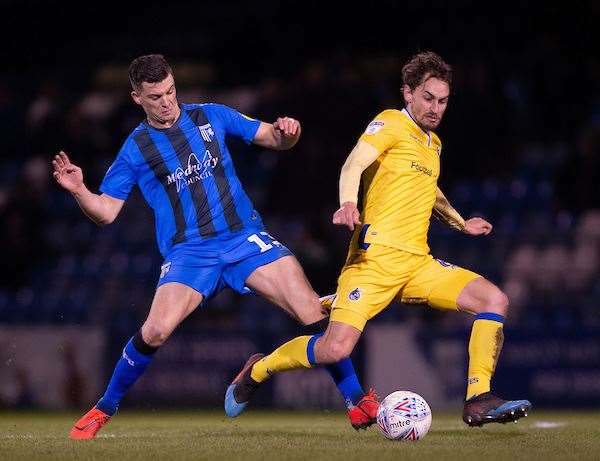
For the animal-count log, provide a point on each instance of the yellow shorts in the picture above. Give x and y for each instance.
(371, 279)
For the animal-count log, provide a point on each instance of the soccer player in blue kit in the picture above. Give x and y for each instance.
(207, 229)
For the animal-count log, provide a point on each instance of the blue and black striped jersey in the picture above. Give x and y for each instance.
(186, 174)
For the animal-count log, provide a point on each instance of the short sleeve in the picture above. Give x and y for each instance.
(383, 132)
(120, 178)
(237, 124)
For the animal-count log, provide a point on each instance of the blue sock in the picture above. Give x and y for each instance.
(128, 369)
(342, 373)
(345, 379)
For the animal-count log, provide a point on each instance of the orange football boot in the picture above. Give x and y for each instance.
(89, 425)
(364, 413)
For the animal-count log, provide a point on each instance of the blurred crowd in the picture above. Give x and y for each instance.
(514, 152)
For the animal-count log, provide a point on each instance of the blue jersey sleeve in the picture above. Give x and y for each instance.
(237, 124)
(120, 177)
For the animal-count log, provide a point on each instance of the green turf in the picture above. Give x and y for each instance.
(259, 435)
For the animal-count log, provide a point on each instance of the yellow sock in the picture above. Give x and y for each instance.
(290, 356)
(484, 348)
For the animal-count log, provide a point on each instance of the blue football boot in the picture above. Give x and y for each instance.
(487, 408)
(241, 389)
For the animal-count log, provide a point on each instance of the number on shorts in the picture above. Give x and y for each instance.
(254, 238)
(273, 241)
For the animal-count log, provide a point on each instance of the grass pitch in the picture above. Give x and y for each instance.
(294, 436)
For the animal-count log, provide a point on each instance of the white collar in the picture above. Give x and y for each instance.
(409, 115)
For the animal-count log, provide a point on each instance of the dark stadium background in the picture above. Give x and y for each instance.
(521, 148)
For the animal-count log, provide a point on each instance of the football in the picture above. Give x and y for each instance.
(404, 415)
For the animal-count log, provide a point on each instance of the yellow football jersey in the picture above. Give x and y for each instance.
(399, 188)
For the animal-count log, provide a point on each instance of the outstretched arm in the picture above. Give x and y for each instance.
(443, 211)
(102, 209)
(282, 134)
(358, 161)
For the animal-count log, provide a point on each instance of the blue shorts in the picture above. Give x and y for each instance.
(208, 266)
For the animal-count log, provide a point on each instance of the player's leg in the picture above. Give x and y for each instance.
(332, 348)
(172, 303)
(490, 306)
(367, 284)
(284, 283)
(363, 291)
(449, 287)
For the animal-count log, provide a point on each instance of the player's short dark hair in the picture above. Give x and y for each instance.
(426, 65)
(151, 68)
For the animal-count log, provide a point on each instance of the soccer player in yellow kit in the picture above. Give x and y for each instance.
(398, 158)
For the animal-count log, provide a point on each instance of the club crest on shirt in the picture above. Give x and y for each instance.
(354, 295)
(206, 132)
(374, 126)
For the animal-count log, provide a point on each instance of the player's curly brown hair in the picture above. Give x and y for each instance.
(151, 68)
(423, 65)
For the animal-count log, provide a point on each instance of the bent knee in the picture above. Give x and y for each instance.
(496, 301)
(154, 335)
(337, 351)
(309, 309)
